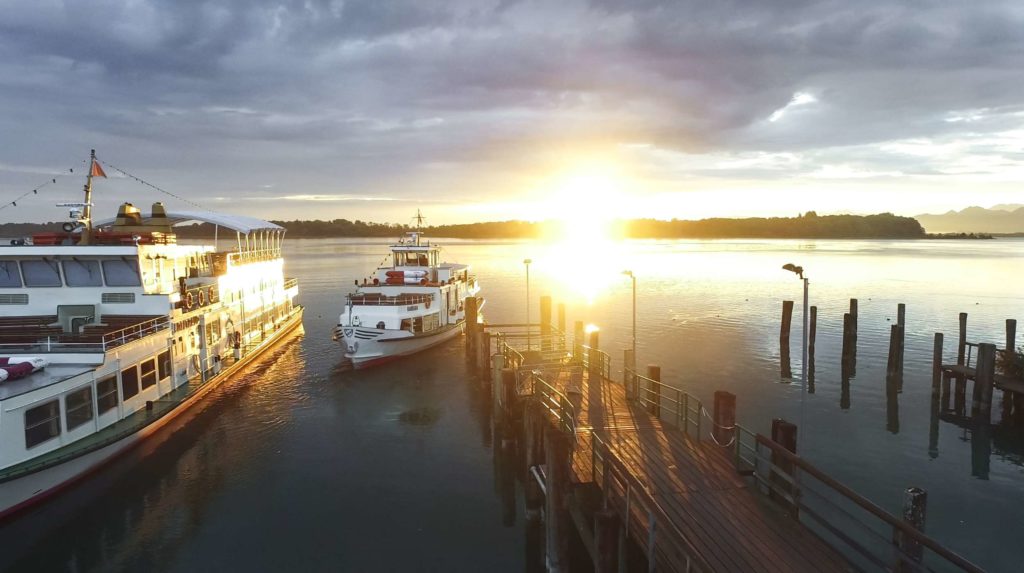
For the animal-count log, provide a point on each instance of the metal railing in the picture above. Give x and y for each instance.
(290, 283)
(666, 545)
(682, 409)
(555, 402)
(837, 513)
(253, 256)
(135, 331)
(596, 361)
(396, 300)
(72, 343)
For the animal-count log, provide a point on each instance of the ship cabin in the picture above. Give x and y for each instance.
(121, 314)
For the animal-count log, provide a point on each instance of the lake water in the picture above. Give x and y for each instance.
(303, 463)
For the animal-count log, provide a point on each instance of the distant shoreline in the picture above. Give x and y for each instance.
(806, 226)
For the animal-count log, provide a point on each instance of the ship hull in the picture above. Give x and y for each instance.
(366, 347)
(20, 493)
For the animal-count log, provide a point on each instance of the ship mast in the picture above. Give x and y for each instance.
(86, 219)
(419, 220)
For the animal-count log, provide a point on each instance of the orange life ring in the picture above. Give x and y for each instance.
(202, 298)
(189, 300)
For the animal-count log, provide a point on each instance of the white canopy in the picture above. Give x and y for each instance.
(240, 223)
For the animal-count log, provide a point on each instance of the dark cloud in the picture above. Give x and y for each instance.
(369, 97)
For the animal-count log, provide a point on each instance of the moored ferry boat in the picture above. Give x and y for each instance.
(111, 329)
(414, 304)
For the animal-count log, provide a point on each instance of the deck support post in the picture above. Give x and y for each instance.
(534, 456)
(545, 323)
(984, 380)
(915, 505)
(654, 391)
(606, 540)
(557, 452)
(784, 434)
(725, 418)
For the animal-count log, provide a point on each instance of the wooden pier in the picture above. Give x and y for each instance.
(647, 478)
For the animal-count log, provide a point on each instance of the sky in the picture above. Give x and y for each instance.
(482, 111)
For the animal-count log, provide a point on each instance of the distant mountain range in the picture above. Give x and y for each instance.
(997, 219)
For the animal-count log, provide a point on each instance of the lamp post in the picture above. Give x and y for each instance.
(528, 327)
(799, 271)
(633, 277)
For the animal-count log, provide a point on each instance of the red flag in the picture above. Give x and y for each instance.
(97, 171)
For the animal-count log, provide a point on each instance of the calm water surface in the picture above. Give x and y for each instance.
(302, 462)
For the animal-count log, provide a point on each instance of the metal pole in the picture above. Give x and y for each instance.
(634, 319)
(803, 366)
(528, 328)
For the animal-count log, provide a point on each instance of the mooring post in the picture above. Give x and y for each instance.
(594, 356)
(853, 316)
(606, 541)
(901, 320)
(654, 389)
(502, 408)
(892, 369)
(629, 372)
(984, 380)
(1013, 402)
(561, 325)
(533, 454)
(937, 363)
(485, 354)
(557, 453)
(497, 365)
(915, 508)
(812, 331)
(847, 336)
(545, 323)
(787, 320)
(725, 417)
(784, 434)
(577, 341)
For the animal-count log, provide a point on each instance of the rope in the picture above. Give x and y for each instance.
(148, 184)
(35, 190)
(713, 423)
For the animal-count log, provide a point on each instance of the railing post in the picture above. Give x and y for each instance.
(915, 505)
(784, 434)
(654, 373)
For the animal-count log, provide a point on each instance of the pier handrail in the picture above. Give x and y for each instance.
(587, 356)
(685, 408)
(795, 486)
(634, 491)
(556, 402)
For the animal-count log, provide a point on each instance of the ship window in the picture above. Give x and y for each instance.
(122, 272)
(10, 276)
(78, 407)
(82, 273)
(106, 394)
(164, 362)
(40, 273)
(148, 368)
(129, 382)
(42, 423)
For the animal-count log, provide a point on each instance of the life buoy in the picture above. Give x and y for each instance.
(202, 297)
(190, 301)
(209, 294)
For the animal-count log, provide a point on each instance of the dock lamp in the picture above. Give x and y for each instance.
(799, 272)
(633, 277)
(528, 326)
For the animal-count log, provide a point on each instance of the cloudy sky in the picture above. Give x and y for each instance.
(476, 110)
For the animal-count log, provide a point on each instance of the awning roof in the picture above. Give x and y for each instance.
(240, 223)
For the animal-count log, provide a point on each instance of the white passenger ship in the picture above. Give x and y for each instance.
(111, 329)
(415, 303)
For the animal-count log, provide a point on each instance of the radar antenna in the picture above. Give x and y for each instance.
(419, 220)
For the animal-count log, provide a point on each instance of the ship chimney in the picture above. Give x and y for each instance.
(128, 215)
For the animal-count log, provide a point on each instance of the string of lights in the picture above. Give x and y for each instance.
(35, 190)
(148, 184)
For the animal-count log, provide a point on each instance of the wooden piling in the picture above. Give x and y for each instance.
(915, 506)
(853, 316)
(606, 541)
(561, 326)
(654, 389)
(472, 310)
(961, 348)
(629, 372)
(484, 354)
(533, 455)
(901, 320)
(1011, 336)
(724, 417)
(893, 369)
(545, 323)
(849, 357)
(984, 379)
(557, 459)
(499, 395)
(937, 362)
(812, 332)
(786, 370)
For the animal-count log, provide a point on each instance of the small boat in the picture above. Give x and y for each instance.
(414, 304)
(111, 329)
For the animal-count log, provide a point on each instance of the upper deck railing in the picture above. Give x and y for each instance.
(253, 256)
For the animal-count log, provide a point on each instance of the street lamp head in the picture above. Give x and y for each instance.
(527, 261)
(794, 269)
(628, 273)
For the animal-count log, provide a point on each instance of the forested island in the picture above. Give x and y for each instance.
(806, 226)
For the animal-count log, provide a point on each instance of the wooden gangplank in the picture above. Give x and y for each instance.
(730, 525)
